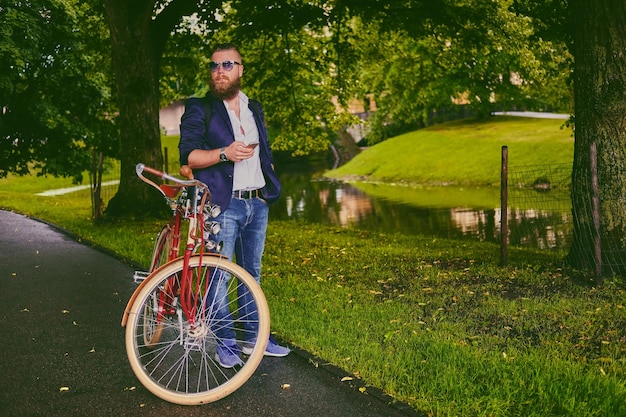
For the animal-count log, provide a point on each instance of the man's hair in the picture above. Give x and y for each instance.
(226, 47)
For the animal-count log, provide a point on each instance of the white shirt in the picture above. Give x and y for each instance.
(248, 174)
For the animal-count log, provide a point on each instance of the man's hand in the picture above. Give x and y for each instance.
(238, 151)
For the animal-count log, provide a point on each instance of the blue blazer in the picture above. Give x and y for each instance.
(219, 177)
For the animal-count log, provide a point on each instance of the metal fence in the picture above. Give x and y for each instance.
(539, 198)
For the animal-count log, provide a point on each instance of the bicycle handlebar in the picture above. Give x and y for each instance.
(140, 168)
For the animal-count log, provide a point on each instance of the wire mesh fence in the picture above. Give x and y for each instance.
(539, 205)
(104, 179)
(598, 211)
(539, 201)
(110, 178)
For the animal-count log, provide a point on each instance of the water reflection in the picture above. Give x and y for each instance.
(328, 202)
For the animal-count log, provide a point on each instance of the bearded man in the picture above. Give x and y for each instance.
(229, 151)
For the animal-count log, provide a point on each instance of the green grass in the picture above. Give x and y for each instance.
(435, 323)
(438, 324)
(461, 153)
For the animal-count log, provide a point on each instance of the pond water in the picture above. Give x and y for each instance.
(442, 212)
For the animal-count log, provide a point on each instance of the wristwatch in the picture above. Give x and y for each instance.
(223, 156)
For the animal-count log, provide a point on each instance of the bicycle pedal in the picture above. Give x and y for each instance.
(139, 276)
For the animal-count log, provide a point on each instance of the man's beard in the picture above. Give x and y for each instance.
(224, 91)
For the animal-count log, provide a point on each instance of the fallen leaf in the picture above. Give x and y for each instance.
(63, 389)
(346, 378)
(362, 389)
(285, 386)
(93, 350)
(65, 311)
(25, 310)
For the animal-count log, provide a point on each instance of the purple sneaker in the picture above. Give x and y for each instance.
(272, 349)
(228, 356)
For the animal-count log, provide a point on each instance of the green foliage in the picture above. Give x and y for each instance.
(551, 19)
(291, 67)
(305, 61)
(53, 92)
(489, 58)
(184, 67)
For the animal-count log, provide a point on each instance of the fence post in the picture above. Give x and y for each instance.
(597, 244)
(97, 205)
(504, 207)
(166, 161)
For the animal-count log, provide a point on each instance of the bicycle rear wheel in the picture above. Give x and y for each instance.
(162, 247)
(153, 327)
(181, 367)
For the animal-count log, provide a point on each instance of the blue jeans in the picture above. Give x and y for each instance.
(244, 226)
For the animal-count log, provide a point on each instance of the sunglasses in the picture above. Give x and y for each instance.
(226, 65)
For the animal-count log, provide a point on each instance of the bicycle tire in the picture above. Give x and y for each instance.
(152, 326)
(181, 367)
(161, 249)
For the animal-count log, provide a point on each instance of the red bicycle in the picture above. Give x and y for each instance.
(176, 317)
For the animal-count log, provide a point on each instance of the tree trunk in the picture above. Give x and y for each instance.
(135, 65)
(600, 99)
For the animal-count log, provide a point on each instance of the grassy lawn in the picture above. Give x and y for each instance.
(462, 152)
(434, 323)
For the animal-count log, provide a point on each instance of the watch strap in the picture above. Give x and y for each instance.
(223, 156)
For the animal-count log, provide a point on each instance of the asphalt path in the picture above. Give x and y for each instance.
(62, 345)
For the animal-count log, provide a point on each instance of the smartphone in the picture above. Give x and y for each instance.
(252, 145)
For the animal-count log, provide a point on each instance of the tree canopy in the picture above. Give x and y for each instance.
(306, 62)
(54, 90)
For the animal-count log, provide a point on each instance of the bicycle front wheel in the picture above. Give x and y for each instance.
(211, 305)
